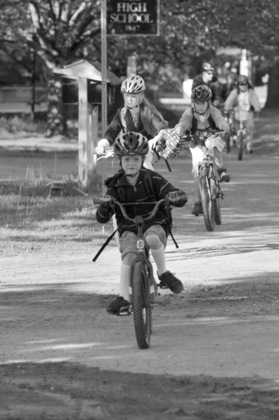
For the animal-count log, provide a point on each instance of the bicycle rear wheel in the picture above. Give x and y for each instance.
(240, 146)
(141, 305)
(228, 142)
(208, 206)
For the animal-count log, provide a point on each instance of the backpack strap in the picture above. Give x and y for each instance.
(104, 245)
(195, 123)
(122, 118)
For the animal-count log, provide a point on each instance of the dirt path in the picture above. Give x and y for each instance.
(214, 352)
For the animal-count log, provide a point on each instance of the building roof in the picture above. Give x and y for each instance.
(87, 69)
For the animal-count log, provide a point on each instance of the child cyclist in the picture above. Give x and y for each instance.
(134, 183)
(137, 115)
(244, 101)
(200, 117)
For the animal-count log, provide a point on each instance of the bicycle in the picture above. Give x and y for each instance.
(209, 183)
(142, 285)
(237, 137)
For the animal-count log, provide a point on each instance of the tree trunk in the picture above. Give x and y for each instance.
(273, 87)
(56, 121)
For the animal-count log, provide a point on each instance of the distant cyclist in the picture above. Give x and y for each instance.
(244, 101)
(136, 184)
(209, 78)
(202, 116)
(137, 115)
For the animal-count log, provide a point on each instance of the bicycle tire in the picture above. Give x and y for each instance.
(217, 211)
(208, 207)
(228, 142)
(240, 146)
(141, 305)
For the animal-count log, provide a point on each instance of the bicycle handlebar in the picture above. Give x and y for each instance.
(124, 213)
(202, 137)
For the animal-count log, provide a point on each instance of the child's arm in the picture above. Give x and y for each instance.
(104, 211)
(220, 121)
(230, 101)
(185, 122)
(111, 133)
(255, 102)
(163, 187)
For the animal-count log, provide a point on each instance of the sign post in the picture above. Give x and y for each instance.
(104, 64)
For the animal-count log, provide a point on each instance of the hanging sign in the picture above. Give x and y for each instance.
(133, 17)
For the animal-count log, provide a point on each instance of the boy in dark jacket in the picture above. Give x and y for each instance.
(136, 184)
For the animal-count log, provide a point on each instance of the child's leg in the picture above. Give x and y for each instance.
(196, 159)
(157, 250)
(125, 274)
(156, 239)
(224, 176)
(250, 131)
(128, 249)
(218, 158)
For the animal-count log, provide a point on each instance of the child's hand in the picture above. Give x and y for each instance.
(214, 141)
(101, 147)
(106, 201)
(152, 143)
(177, 197)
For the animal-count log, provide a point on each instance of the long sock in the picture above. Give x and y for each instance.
(125, 271)
(159, 257)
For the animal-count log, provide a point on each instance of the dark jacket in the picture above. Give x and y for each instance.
(150, 187)
(116, 126)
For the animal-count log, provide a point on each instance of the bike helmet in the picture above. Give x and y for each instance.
(133, 84)
(131, 143)
(201, 93)
(243, 80)
(207, 67)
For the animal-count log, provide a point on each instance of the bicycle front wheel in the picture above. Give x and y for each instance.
(217, 211)
(141, 305)
(240, 146)
(208, 207)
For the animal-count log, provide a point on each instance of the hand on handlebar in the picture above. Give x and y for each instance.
(177, 197)
(100, 150)
(102, 146)
(106, 201)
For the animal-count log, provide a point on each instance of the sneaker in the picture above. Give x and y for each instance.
(171, 281)
(224, 176)
(118, 305)
(197, 208)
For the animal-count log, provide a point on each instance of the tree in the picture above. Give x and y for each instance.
(60, 31)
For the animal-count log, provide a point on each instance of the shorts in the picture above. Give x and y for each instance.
(128, 241)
